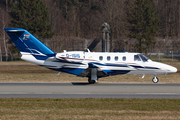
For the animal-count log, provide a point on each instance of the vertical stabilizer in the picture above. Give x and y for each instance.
(28, 44)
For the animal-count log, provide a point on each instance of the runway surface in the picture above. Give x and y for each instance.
(85, 90)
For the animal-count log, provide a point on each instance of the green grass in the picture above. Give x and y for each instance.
(89, 109)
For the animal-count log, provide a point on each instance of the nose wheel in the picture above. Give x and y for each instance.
(155, 79)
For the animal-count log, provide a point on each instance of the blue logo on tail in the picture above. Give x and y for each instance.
(26, 36)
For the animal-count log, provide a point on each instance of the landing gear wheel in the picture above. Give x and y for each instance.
(155, 79)
(91, 81)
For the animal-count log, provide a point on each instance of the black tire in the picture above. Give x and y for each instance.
(155, 80)
(91, 81)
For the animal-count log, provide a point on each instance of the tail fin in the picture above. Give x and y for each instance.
(27, 43)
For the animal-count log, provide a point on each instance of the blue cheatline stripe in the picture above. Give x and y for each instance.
(75, 71)
(91, 65)
(146, 67)
(78, 71)
(41, 57)
(64, 61)
(109, 64)
(115, 72)
(136, 66)
(150, 67)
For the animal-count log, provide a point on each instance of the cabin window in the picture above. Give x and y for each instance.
(124, 58)
(108, 58)
(137, 58)
(101, 58)
(116, 58)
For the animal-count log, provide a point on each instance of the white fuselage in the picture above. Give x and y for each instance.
(109, 63)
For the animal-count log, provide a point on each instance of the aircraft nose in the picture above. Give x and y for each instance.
(164, 68)
(171, 69)
(174, 70)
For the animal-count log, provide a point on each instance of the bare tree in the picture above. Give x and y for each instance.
(113, 14)
(3, 20)
(0, 54)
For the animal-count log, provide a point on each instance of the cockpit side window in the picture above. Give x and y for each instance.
(137, 58)
(144, 58)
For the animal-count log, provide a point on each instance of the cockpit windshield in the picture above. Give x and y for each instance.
(144, 58)
(140, 57)
(137, 58)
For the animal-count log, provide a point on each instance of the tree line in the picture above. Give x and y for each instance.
(83, 18)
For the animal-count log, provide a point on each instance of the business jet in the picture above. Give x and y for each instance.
(93, 65)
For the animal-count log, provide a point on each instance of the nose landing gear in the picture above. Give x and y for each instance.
(155, 79)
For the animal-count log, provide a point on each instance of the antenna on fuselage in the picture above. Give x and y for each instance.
(87, 50)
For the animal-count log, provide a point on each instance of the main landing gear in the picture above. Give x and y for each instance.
(93, 78)
(91, 81)
(155, 79)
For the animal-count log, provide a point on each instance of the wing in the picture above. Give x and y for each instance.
(106, 69)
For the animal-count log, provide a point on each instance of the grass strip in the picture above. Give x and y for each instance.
(31, 108)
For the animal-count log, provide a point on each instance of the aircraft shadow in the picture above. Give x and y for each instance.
(80, 83)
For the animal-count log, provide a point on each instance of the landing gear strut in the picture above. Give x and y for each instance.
(93, 78)
(155, 79)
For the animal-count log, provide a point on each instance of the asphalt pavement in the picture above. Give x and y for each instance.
(86, 90)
